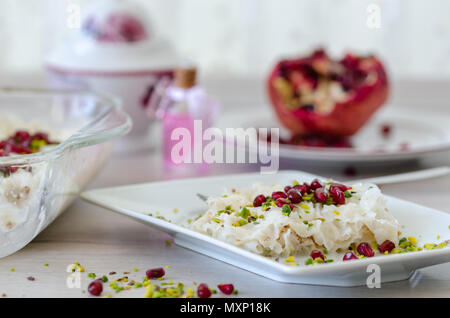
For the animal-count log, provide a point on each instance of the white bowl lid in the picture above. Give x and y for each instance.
(115, 37)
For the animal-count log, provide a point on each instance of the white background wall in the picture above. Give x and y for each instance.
(244, 37)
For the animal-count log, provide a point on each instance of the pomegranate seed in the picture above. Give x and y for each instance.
(302, 188)
(259, 200)
(280, 202)
(155, 273)
(294, 196)
(316, 253)
(320, 195)
(315, 184)
(278, 195)
(340, 186)
(227, 289)
(203, 291)
(287, 188)
(349, 256)
(365, 249)
(338, 195)
(21, 135)
(386, 246)
(386, 130)
(95, 288)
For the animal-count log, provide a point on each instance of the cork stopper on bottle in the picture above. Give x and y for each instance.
(185, 77)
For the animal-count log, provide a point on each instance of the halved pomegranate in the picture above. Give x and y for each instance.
(316, 95)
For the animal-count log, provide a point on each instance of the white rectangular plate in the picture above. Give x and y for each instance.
(177, 201)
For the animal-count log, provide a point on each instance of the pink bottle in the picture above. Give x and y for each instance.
(182, 107)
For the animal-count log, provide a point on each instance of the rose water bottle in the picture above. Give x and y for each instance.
(185, 108)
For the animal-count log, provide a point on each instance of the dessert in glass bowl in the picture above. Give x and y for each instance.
(52, 143)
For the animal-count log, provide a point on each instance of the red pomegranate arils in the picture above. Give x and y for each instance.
(294, 196)
(349, 256)
(302, 188)
(287, 188)
(315, 184)
(386, 246)
(95, 288)
(203, 291)
(337, 194)
(259, 200)
(365, 249)
(320, 195)
(316, 253)
(227, 289)
(280, 202)
(279, 194)
(155, 273)
(386, 130)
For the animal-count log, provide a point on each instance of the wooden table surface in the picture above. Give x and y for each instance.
(104, 242)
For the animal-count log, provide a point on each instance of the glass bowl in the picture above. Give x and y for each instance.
(47, 182)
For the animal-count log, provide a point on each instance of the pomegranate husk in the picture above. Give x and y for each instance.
(344, 120)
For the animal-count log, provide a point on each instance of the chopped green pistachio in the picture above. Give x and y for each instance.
(216, 220)
(244, 212)
(91, 275)
(309, 261)
(286, 209)
(104, 279)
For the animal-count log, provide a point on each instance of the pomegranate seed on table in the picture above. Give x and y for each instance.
(365, 249)
(227, 289)
(294, 196)
(386, 130)
(203, 291)
(320, 195)
(259, 200)
(278, 195)
(316, 253)
(349, 256)
(95, 288)
(386, 246)
(155, 273)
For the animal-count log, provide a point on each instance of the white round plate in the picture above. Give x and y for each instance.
(413, 135)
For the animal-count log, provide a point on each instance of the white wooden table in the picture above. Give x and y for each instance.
(104, 242)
